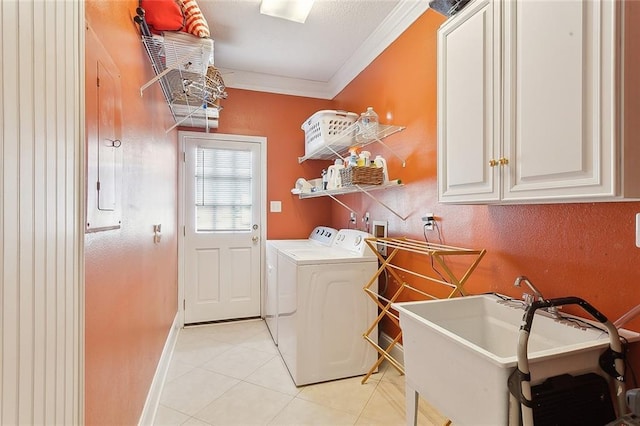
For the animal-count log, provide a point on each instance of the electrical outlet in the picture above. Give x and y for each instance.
(380, 231)
(429, 220)
(366, 217)
(352, 218)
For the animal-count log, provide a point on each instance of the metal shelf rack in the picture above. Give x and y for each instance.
(191, 87)
(364, 189)
(331, 149)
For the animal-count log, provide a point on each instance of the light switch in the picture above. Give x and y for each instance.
(276, 206)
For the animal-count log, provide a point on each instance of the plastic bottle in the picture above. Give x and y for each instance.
(379, 161)
(366, 155)
(369, 123)
(353, 158)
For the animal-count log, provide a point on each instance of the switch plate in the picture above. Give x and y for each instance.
(275, 206)
(637, 229)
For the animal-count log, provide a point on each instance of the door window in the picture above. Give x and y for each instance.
(223, 185)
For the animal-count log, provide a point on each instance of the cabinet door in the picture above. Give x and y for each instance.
(468, 104)
(559, 99)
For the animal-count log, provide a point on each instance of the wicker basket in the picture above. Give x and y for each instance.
(361, 176)
(328, 127)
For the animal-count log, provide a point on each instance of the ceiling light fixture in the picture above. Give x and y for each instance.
(291, 10)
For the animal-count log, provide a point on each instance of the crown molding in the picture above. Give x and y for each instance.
(260, 82)
(401, 17)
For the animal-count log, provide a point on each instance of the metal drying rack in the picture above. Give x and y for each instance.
(438, 252)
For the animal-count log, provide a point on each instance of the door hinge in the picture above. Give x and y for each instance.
(184, 231)
(98, 81)
(184, 156)
(184, 304)
(98, 186)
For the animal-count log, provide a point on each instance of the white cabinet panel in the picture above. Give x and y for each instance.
(558, 137)
(468, 93)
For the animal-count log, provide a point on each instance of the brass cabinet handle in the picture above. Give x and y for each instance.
(502, 162)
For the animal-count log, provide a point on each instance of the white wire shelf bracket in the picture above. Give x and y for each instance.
(351, 189)
(332, 149)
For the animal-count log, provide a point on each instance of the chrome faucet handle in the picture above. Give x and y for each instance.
(553, 310)
(527, 298)
(536, 292)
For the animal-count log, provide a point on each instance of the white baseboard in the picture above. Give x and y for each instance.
(397, 352)
(153, 397)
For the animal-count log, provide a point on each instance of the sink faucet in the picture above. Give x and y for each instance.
(533, 288)
(528, 298)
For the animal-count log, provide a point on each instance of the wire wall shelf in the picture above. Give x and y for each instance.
(192, 88)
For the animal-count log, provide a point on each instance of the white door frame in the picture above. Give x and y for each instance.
(181, 206)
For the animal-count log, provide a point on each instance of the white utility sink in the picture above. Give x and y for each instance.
(459, 353)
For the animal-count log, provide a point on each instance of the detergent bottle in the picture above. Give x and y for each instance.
(333, 175)
(379, 161)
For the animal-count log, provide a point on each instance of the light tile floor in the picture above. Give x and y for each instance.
(231, 374)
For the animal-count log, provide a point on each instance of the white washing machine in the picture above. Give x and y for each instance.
(321, 236)
(324, 311)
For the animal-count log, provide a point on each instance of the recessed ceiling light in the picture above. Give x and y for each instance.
(291, 10)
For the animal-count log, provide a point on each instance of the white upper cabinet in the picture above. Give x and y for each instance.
(469, 104)
(530, 103)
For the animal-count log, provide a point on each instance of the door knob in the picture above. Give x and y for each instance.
(255, 238)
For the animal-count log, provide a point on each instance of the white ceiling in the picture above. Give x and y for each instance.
(317, 58)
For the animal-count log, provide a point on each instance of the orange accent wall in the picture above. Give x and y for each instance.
(587, 250)
(130, 282)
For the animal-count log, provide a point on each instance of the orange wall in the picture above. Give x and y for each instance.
(279, 118)
(586, 250)
(131, 283)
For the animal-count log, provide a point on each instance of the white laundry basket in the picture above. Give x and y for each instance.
(329, 128)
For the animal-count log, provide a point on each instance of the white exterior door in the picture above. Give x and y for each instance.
(222, 204)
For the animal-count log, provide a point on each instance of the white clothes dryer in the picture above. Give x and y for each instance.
(321, 236)
(324, 311)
